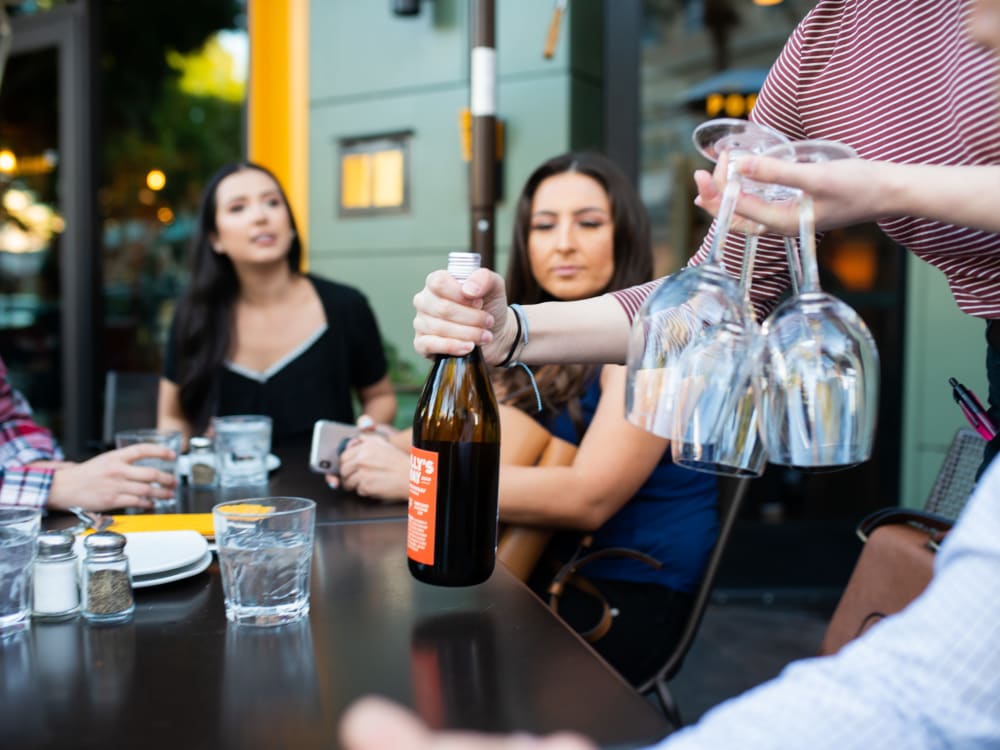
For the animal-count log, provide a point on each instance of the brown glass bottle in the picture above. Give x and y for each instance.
(454, 470)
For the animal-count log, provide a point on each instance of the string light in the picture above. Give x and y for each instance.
(155, 179)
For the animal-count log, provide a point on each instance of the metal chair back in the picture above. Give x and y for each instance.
(732, 492)
(129, 403)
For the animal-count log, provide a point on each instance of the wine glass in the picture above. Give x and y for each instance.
(690, 300)
(820, 365)
(716, 413)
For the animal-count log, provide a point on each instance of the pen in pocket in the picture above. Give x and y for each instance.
(973, 410)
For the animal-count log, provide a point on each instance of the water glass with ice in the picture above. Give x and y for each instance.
(265, 548)
(168, 438)
(243, 443)
(18, 536)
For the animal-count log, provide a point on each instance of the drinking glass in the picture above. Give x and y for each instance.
(820, 365)
(243, 442)
(169, 438)
(265, 548)
(691, 300)
(18, 536)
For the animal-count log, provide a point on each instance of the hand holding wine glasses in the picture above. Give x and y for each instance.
(700, 371)
(820, 367)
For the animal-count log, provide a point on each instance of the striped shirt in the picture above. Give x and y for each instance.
(21, 442)
(898, 81)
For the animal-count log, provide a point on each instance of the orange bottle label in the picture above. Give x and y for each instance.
(422, 511)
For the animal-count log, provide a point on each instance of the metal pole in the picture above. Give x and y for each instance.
(482, 106)
(622, 29)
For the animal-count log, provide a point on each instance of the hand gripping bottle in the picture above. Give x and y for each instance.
(451, 535)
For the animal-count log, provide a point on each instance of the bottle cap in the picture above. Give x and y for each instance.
(55, 544)
(104, 543)
(461, 265)
(200, 443)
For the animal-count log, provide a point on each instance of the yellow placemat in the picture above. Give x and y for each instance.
(248, 509)
(200, 522)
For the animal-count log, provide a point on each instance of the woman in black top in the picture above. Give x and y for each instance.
(253, 335)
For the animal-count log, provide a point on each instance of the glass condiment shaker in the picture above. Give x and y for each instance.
(106, 581)
(56, 577)
(203, 470)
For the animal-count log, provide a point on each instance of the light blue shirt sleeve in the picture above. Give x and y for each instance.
(928, 677)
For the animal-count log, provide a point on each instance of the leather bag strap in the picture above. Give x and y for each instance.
(938, 526)
(566, 575)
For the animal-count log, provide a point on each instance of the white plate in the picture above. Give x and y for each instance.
(184, 463)
(151, 552)
(155, 553)
(155, 579)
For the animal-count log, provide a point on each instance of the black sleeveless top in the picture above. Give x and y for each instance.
(314, 381)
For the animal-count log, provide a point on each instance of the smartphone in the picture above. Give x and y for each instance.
(328, 442)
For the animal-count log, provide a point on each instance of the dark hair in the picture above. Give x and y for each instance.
(633, 264)
(204, 318)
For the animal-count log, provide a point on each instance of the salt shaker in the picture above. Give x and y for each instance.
(106, 580)
(56, 586)
(203, 469)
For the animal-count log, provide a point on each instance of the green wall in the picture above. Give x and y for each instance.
(372, 72)
(941, 342)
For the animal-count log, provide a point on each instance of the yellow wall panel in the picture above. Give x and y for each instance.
(278, 97)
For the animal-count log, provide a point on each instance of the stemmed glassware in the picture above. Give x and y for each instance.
(820, 367)
(692, 300)
(716, 413)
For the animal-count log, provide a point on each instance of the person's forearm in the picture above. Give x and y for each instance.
(552, 496)
(381, 408)
(960, 195)
(168, 411)
(593, 330)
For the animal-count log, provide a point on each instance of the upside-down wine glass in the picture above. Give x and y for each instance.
(716, 413)
(691, 300)
(820, 365)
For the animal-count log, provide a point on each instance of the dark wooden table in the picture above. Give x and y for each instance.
(488, 657)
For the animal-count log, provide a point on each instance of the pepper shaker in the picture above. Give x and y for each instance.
(203, 469)
(106, 581)
(56, 585)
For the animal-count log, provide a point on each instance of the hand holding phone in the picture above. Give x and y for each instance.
(328, 441)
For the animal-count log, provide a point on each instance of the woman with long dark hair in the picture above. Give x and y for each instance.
(254, 335)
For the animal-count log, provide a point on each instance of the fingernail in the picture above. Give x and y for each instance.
(332, 483)
(472, 289)
(465, 347)
(487, 337)
(490, 321)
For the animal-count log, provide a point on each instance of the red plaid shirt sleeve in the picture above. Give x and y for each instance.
(22, 441)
